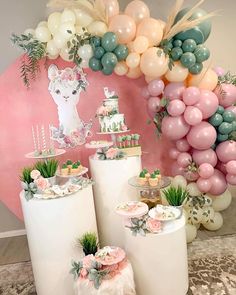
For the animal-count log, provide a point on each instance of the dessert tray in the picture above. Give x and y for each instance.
(110, 255)
(82, 172)
(165, 213)
(57, 191)
(163, 182)
(57, 152)
(114, 132)
(132, 209)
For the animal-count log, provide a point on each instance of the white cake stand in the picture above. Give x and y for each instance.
(58, 152)
(82, 172)
(113, 134)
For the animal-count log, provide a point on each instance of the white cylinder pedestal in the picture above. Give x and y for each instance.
(111, 188)
(159, 260)
(53, 227)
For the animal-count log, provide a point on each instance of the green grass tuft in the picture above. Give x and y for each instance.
(175, 196)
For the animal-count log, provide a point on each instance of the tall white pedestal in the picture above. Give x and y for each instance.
(159, 260)
(53, 227)
(111, 188)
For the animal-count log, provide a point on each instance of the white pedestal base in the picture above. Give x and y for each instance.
(53, 227)
(111, 188)
(159, 261)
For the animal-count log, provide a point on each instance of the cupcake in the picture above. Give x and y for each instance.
(136, 139)
(119, 140)
(124, 140)
(128, 139)
(64, 170)
(80, 167)
(142, 178)
(158, 173)
(69, 165)
(153, 180)
(74, 169)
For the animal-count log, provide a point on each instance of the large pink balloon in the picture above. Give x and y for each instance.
(202, 136)
(176, 169)
(191, 175)
(145, 93)
(184, 160)
(226, 94)
(154, 104)
(174, 128)
(173, 153)
(112, 7)
(218, 182)
(124, 27)
(219, 71)
(206, 170)
(156, 87)
(208, 103)
(176, 107)
(182, 145)
(191, 95)
(226, 151)
(151, 113)
(221, 166)
(231, 179)
(206, 156)
(204, 185)
(231, 167)
(138, 10)
(174, 90)
(192, 115)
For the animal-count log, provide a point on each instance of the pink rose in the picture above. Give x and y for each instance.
(111, 153)
(87, 261)
(35, 174)
(83, 273)
(67, 140)
(41, 183)
(153, 225)
(124, 128)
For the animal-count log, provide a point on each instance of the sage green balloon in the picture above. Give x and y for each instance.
(121, 52)
(109, 41)
(213, 146)
(107, 70)
(176, 53)
(202, 53)
(196, 69)
(95, 41)
(189, 45)
(95, 64)
(222, 137)
(109, 60)
(194, 34)
(234, 125)
(216, 120)
(177, 43)
(99, 52)
(188, 59)
(225, 128)
(220, 110)
(229, 116)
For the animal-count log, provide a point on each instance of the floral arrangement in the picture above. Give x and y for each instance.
(106, 111)
(110, 153)
(144, 225)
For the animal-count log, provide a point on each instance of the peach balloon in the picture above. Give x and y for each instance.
(138, 10)
(152, 29)
(153, 64)
(207, 79)
(124, 27)
(162, 23)
(112, 7)
(121, 68)
(134, 73)
(133, 60)
(178, 73)
(140, 44)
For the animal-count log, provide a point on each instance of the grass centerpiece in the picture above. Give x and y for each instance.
(175, 196)
(47, 168)
(89, 243)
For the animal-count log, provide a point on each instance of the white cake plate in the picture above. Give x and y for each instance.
(58, 152)
(99, 146)
(113, 134)
(84, 171)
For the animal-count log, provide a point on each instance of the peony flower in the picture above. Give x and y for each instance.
(111, 153)
(41, 183)
(87, 261)
(153, 225)
(83, 273)
(34, 174)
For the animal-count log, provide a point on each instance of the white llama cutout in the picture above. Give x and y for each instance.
(65, 87)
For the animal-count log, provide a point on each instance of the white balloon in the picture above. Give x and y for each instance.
(82, 18)
(43, 34)
(197, 225)
(208, 214)
(54, 21)
(67, 30)
(179, 180)
(59, 40)
(52, 49)
(29, 31)
(85, 52)
(68, 16)
(53, 56)
(221, 202)
(79, 30)
(193, 189)
(42, 24)
(64, 53)
(195, 215)
(191, 232)
(97, 28)
(207, 200)
(216, 224)
(84, 64)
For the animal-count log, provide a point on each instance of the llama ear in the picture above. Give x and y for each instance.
(52, 72)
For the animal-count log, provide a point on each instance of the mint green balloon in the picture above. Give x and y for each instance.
(95, 41)
(109, 60)
(216, 120)
(229, 116)
(234, 125)
(220, 110)
(95, 64)
(196, 69)
(107, 70)
(177, 43)
(176, 53)
(188, 59)
(189, 45)
(109, 41)
(99, 52)
(222, 137)
(225, 128)
(121, 52)
(202, 53)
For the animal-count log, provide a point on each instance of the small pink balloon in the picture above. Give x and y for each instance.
(182, 145)
(176, 169)
(151, 114)
(219, 71)
(145, 93)
(226, 151)
(231, 179)
(174, 90)
(173, 153)
(231, 167)
(204, 185)
(174, 128)
(202, 136)
(192, 115)
(191, 175)
(206, 156)
(191, 95)
(221, 166)
(184, 160)
(232, 108)
(218, 182)
(156, 87)
(226, 94)
(176, 107)
(206, 170)
(154, 104)
(208, 103)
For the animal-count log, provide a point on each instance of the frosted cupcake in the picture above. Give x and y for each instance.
(142, 178)
(158, 174)
(153, 180)
(74, 169)
(64, 170)
(128, 139)
(69, 165)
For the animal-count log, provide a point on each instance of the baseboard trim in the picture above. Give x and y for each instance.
(12, 233)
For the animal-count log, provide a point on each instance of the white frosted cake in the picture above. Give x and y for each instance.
(110, 119)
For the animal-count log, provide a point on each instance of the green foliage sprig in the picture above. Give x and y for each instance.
(228, 78)
(175, 196)
(89, 243)
(25, 175)
(165, 45)
(47, 168)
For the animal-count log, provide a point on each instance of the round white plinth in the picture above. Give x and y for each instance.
(159, 260)
(53, 227)
(111, 188)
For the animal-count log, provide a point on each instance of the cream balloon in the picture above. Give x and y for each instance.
(112, 7)
(64, 53)
(193, 190)
(134, 73)
(191, 232)
(84, 64)
(216, 223)
(153, 62)
(148, 79)
(178, 73)
(29, 31)
(208, 214)
(133, 60)
(53, 56)
(121, 68)
(82, 18)
(42, 24)
(138, 10)
(179, 180)
(85, 52)
(207, 201)
(162, 23)
(52, 49)
(130, 46)
(221, 202)
(67, 30)
(54, 21)
(97, 28)
(207, 79)
(68, 16)
(59, 40)
(195, 215)
(150, 28)
(79, 30)
(43, 34)
(140, 44)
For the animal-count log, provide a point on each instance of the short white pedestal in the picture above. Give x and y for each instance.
(52, 229)
(159, 261)
(111, 188)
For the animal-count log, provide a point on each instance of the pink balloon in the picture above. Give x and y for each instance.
(226, 94)
(202, 136)
(231, 167)
(191, 175)
(226, 151)
(156, 87)
(221, 166)
(192, 115)
(219, 71)
(191, 95)
(218, 182)
(145, 93)
(176, 169)
(173, 153)
(231, 179)
(184, 160)
(154, 104)
(206, 156)
(176, 107)
(174, 128)
(151, 114)
(182, 145)
(204, 185)
(231, 108)
(208, 103)
(206, 170)
(174, 90)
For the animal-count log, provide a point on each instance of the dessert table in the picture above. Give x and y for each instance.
(53, 227)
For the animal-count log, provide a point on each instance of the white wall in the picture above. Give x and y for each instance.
(16, 16)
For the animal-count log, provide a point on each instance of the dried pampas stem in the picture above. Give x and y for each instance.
(171, 18)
